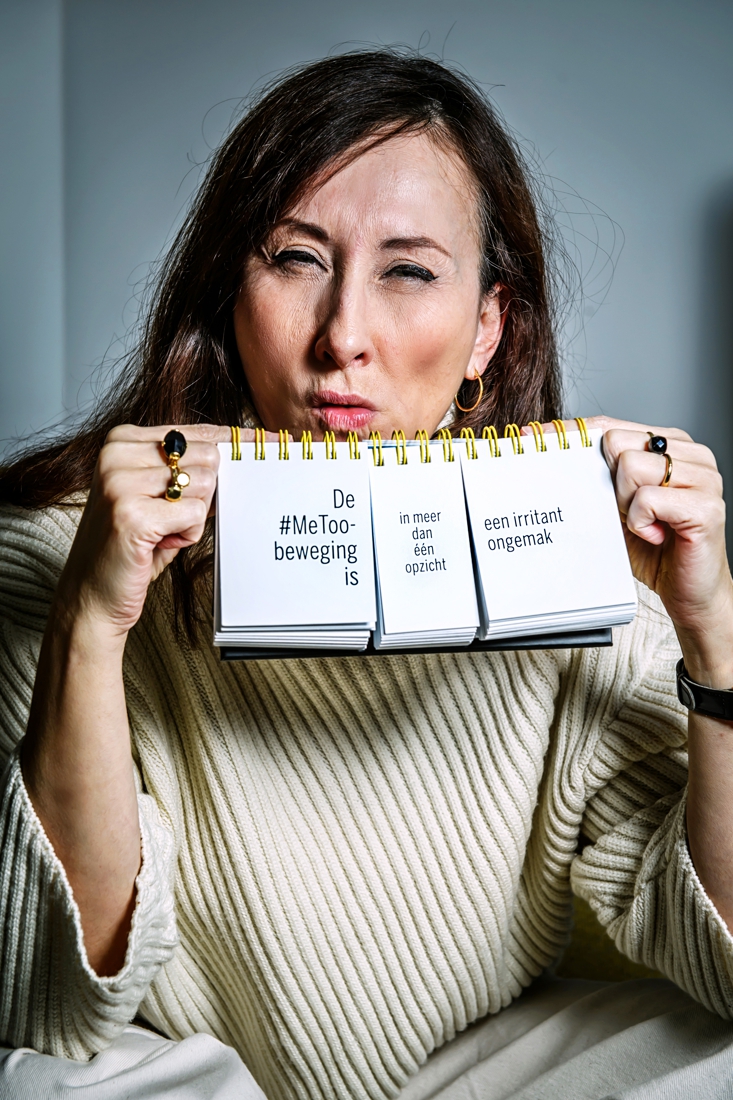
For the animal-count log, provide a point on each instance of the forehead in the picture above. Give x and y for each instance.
(407, 186)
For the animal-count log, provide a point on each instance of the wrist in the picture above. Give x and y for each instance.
(706, 640)
(708, 657)
(84, 632)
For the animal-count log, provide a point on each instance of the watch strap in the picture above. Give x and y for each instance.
(710, 702)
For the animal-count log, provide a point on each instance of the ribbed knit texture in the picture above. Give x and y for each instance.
(41, 936)
(370, 853)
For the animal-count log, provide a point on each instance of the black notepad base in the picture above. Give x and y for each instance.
(580, 639)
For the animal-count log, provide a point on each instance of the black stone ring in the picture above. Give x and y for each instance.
(174, 446)
(657, 444)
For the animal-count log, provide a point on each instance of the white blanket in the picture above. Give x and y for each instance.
(562, 1040)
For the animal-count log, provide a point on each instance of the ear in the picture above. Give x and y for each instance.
(490, 326)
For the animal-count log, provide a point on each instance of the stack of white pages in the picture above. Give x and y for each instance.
(426, 596)
(294, 562)
(549, 548)
(387, 546)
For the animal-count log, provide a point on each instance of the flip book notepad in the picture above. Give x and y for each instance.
(418, 546)
(426, 594)
(548, 544)
(294, 562)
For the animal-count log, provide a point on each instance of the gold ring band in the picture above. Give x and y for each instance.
(667, 473)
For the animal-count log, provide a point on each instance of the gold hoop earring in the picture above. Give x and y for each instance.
(477, 402)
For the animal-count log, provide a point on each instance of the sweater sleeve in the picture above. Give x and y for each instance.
(50, 998)
(637, 873)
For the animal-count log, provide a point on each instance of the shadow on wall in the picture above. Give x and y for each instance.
(714, 413)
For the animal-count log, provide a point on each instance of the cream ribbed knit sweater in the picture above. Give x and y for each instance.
(347, 861)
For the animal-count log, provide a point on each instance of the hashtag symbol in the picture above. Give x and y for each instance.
(284, 525)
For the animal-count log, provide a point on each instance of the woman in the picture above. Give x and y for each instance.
(335, 866)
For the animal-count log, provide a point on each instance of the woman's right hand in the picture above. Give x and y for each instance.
(129, 532)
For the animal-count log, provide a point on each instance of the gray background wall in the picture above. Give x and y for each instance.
(108, 107)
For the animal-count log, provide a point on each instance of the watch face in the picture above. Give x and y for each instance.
(685, 695)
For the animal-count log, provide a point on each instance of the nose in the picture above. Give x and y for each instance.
(344, 339)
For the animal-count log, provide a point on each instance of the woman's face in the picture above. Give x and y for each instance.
(364, 311)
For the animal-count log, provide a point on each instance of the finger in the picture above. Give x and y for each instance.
(618, 440)
(134, 433)
(208, 433)
(180, 526)
(152, 481)
(129, 455)
(637, 468)
(691, 514)
(607, 423)
(152, 519)
(247, 435)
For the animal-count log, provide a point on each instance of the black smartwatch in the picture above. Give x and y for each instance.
(712, 702)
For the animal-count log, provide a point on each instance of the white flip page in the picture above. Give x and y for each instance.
(547, 537)
(426, 589)
(294, 559)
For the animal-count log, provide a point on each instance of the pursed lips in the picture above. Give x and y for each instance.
(343, 411)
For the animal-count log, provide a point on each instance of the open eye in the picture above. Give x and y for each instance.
(295, 255)
(411, 271)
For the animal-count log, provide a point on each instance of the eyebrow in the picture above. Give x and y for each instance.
(390, 245)
(412, 242)
(310, 228)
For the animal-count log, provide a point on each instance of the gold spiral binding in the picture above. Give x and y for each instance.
(539, 435)
(447, 440)
(329, 438)
(585, 439)
(422, 436)
(283, 439)
(467, 434)
(307, 440)
(401, 449)
(260, 444)
(353, 439)
(376, 441)
(562, 435)
(512, 432)
(236, 443)
(489, 433)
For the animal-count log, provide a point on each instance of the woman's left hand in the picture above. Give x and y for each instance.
(676, 536)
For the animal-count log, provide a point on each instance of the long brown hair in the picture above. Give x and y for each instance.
(185, 368)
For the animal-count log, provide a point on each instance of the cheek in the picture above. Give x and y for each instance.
(272, 325)
(432, 341)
